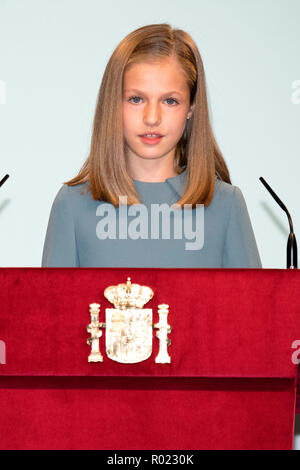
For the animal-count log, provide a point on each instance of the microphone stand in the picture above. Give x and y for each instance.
(292, 258)
(3, 180)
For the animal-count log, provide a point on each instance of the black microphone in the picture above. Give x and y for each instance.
(291, 255)
(3, 180)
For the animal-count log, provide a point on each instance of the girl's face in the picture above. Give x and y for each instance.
(156, 100)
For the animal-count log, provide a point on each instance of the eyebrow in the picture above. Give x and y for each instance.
(142, 92)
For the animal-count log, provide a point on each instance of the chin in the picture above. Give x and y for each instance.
(150, 157)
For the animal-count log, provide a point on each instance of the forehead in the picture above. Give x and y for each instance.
(165, 75)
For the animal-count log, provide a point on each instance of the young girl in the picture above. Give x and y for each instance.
(155, 190)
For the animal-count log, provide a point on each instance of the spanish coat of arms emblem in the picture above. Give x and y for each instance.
(129, 326)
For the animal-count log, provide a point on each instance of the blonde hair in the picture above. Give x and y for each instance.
(105, 168)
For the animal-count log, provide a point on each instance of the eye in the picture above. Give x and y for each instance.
(134, 98)
(172, 99)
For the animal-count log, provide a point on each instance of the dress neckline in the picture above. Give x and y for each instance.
(171, 180)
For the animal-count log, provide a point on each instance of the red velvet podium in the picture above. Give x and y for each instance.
(231, 383)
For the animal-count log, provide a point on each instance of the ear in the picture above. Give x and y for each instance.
(191, 110)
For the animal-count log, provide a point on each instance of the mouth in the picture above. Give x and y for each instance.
(151, 138)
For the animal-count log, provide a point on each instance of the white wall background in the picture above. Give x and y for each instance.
(52, 57)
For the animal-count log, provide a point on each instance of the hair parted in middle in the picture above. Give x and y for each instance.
(105, 169)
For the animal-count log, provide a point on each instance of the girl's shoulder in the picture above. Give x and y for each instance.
(221, 187)
(74, 199)
(67, 194)
(226, 196)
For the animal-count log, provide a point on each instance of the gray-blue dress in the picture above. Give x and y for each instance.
(87, 233)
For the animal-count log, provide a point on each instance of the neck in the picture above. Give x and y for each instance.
(152, 170)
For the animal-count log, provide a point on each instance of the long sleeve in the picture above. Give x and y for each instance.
(240, 250)
(60, 243)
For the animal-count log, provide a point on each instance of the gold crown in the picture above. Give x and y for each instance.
(128, 295)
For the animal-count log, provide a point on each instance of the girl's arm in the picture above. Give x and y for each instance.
(60, 244)
(240, 250)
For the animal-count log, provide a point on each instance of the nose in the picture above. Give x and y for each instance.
(152, 114)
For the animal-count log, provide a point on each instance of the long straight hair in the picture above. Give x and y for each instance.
(105, 169)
